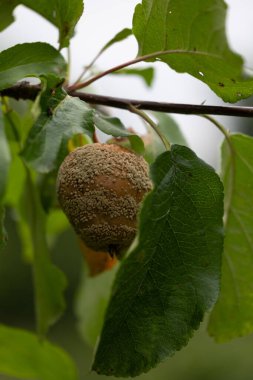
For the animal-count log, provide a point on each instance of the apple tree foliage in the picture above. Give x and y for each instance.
(194, 248)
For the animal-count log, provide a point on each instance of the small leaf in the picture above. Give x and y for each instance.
(29, 59)
(63, 14)
(146, 74)
(22, 355)
(170, 130)
(172, 276)
(122, 35)
(47, 143)
(92, 299)
(113, 126)
(197, 29)
(233, 314)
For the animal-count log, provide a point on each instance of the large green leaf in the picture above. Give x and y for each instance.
(172, 277)
(22, 355)
(233, 313)
(64, 14)
(197, 28)
(91, 303)
(29, 59)
(47, 144)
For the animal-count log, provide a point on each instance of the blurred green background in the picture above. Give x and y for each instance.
(201, 359)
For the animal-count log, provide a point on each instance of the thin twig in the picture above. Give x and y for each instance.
(145, 57)
(153, 125)
(186, 109)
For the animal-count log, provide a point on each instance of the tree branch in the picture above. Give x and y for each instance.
(24, 90)
(187, 109)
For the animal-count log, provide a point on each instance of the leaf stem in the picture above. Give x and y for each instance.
(156, 54)
(151, 123)
(87, 68)
(232, 167)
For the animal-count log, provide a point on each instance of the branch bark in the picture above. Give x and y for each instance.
(24, 90)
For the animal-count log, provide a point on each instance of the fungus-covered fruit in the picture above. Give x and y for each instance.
(100, 188)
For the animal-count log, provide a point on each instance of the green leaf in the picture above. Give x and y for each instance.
(6, 17)
(113, 126)
(22, 355)
(146, 74)
(197, 29)
(170, 130)
(171, 278)
(57, 222)
(5, 157)
(49, 281)
(29, 59)
(233, 314)
(64, 14)
(91, 303)
(46, 146)
(122, 35)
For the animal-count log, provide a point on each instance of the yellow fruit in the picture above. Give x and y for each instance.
(100, 188)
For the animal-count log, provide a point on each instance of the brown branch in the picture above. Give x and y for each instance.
(187, 109)
(24, 90)
(154, 55)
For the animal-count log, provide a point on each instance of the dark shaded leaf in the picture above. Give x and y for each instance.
(198, 29)
(29, 59)
(233, 314)
(6, 17)
(172, 276)
(22, 355)
(46, 146)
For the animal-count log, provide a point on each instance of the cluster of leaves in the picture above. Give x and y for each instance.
(172, 275)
